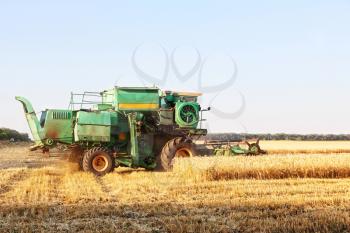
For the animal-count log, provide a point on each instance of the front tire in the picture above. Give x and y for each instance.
(98, 161)
(174, 148)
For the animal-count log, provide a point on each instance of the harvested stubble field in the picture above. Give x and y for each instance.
(274, 193)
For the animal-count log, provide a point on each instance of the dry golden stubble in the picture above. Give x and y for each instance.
(248, 194)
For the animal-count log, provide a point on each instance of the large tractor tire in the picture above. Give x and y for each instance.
(76, 155)
(98, 161)
(173, 149)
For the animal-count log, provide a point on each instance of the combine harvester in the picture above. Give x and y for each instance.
(128, 126)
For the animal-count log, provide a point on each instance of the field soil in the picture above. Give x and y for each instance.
(18, 155)
(274, 193)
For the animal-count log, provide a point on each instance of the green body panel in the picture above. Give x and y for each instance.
(57, 125)
(93, 127)
(141, 145)
(140, 99)
(132, 98)
(137, 95)
(119, 125)
(147, 157)
(134, 151)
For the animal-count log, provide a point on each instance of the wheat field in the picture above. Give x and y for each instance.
(306, 147)
(274, 193)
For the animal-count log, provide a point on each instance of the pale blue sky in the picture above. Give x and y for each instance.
(293, 58)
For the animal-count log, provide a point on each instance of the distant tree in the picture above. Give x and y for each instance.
(3, 136)
(8, 134)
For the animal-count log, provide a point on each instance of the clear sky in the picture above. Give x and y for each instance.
(292, 57)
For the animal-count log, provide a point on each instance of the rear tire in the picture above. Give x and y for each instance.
(76, 156)
(98, 161)
(176, 147)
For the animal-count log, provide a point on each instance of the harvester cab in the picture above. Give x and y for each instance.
(128, 126)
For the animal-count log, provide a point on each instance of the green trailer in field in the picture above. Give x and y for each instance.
(127, 126)
(222, 148)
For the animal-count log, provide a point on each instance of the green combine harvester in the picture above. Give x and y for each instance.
(127, 126)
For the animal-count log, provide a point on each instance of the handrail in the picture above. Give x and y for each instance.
(83, 101)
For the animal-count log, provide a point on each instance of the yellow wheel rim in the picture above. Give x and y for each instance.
(100, 163)
(184, 152)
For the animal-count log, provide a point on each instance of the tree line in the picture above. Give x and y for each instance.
(10, 134)
(278, 136)
(13, 135)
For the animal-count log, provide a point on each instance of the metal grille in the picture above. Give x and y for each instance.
(61, 115)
